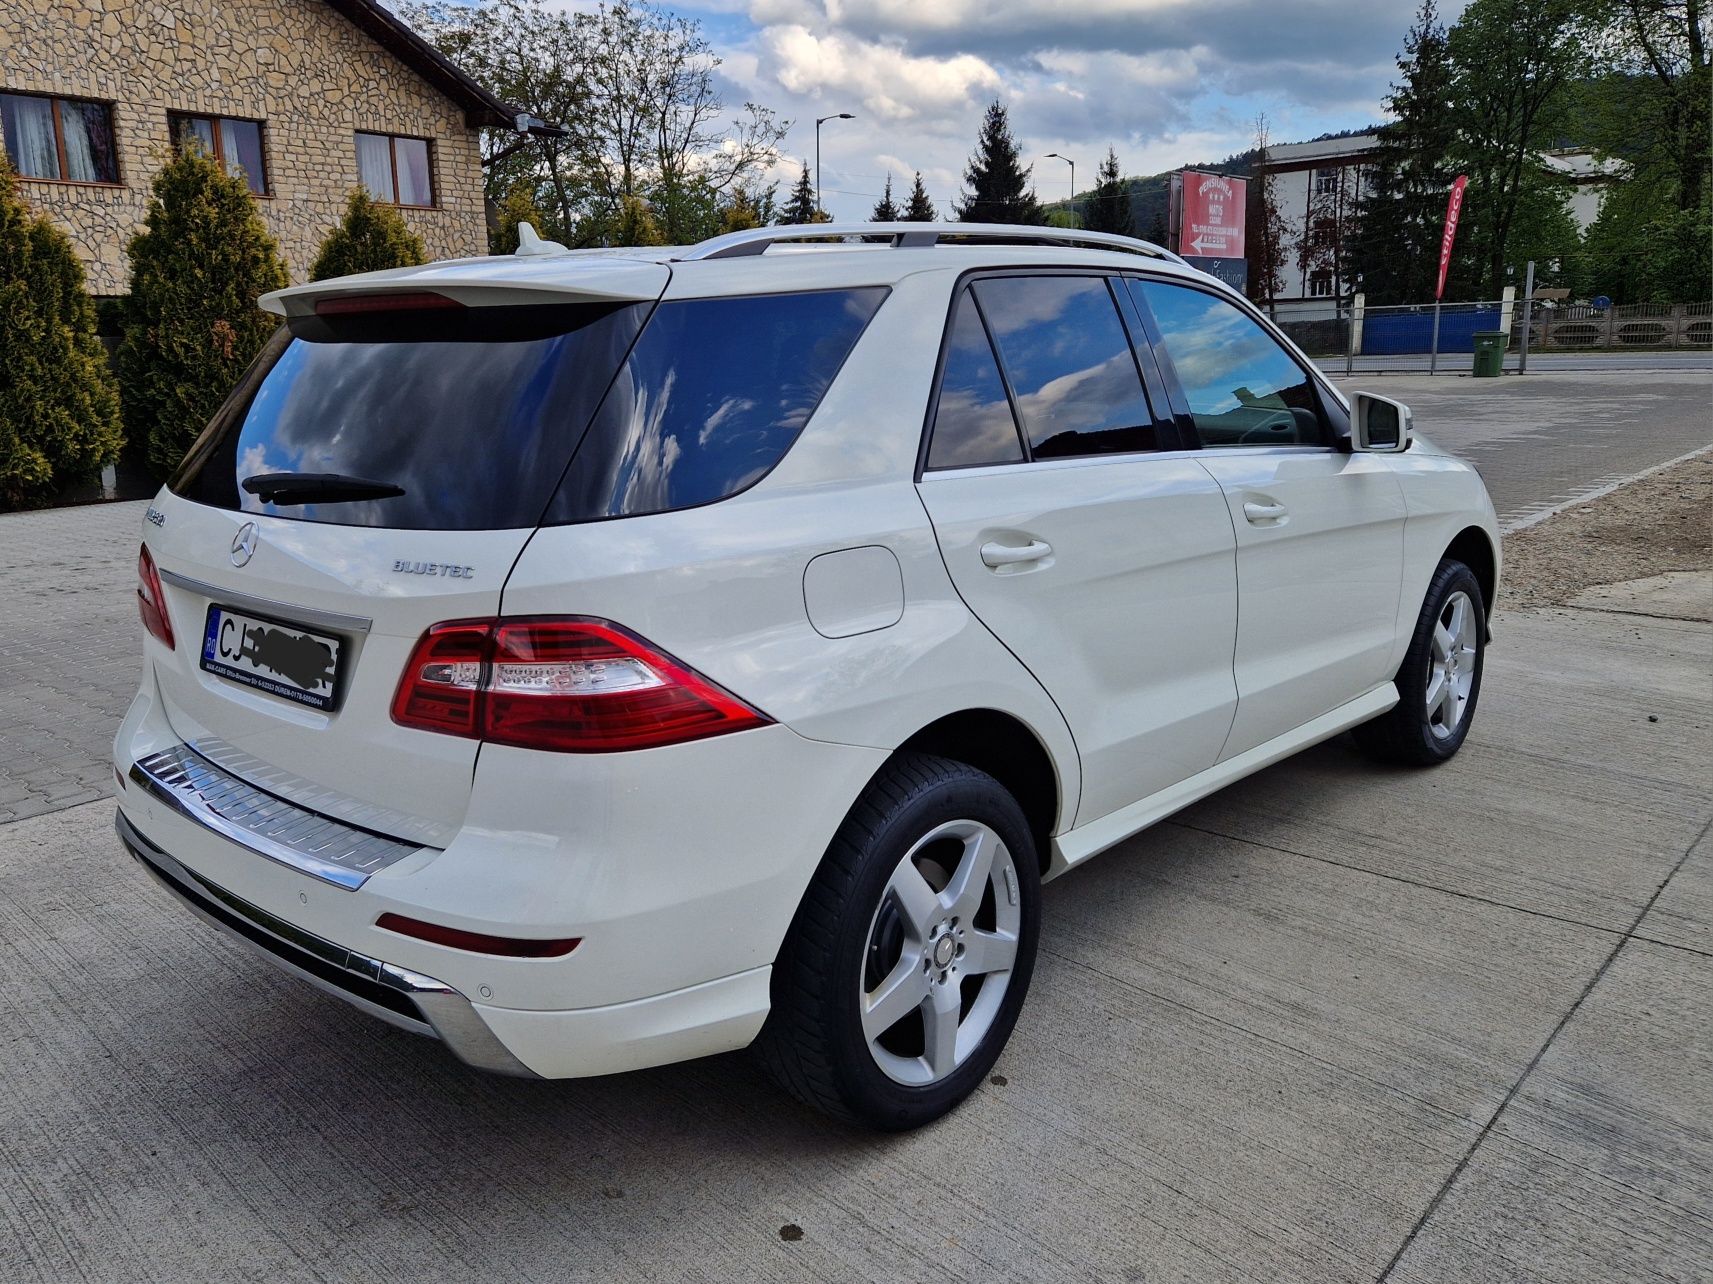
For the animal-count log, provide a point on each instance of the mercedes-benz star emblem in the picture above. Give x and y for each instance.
(244, 543)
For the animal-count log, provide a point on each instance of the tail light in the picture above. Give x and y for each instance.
(570, 684)
(151, 602)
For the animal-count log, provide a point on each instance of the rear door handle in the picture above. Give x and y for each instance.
(997, 555)
(1263, 514)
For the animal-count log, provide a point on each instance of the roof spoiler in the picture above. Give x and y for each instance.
(502, 280)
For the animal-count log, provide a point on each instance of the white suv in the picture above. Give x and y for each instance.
(602, 659)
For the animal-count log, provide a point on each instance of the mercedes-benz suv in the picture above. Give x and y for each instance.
(601, 659)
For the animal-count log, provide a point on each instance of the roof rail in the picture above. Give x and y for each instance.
(735, 245)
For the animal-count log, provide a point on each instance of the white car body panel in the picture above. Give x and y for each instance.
(1318, 584)
(1167, 646)
(1115, 621)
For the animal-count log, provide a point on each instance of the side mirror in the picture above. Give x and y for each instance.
(1380, 425)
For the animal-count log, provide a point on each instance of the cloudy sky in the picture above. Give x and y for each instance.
(1166, 82)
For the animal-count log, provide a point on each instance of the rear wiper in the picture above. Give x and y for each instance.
(317, 488)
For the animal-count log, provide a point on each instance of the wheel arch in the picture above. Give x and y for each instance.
(1005, 748)
(1473, 547)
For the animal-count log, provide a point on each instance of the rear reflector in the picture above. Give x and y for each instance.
(346, 304)
(151, 602)
(477, 942)
(568, 684)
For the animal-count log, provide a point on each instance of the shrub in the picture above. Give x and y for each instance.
(636, 224)
(369, 238)
(59, 405)
(191, 322)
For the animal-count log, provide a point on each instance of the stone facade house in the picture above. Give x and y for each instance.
(306, 98)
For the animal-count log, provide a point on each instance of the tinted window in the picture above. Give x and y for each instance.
(1070, 365)
(1242, 387)
(972, 420)
(711, 399)
(474, 412)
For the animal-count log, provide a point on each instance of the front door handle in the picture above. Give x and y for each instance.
(997, 555)
(1263, 514)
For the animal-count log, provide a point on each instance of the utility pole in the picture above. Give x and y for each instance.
(1073, 165)
(1528, 316)
(819, 121)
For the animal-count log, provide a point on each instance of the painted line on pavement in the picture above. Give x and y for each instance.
(1539, 513)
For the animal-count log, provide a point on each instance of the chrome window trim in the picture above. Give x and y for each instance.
(263, 823)
(308, 615)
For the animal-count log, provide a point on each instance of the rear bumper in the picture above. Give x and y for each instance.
(397, 995)
(717, 1016)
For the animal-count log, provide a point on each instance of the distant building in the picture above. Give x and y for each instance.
(305, 98)
(1319, 187)
(1588, 175)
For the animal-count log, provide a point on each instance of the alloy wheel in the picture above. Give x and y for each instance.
(940, 951)
(1451, 665)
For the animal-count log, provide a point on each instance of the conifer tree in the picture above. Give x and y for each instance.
(886, 209)
(1401, 214)
(59, 405)
(191, 322)
(998, 182)
(799, 207)
(369, 238)
(1107, 208)
(920, 209)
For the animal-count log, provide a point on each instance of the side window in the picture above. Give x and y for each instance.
(710, 399)
(1243, 388)
(1070, 365)
(972, 420)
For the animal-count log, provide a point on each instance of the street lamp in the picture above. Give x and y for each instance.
(819, 121)
(1073, 165)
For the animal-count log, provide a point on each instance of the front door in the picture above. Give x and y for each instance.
(1320, 532)
(1103, 563)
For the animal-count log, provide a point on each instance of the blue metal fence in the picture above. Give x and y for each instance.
(1388, 333)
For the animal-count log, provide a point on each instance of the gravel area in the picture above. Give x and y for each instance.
(1661, 523)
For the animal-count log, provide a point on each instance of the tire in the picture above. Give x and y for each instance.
(889, 916)
(1436, 702)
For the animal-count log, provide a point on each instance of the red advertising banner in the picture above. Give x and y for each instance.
(1211, 223)
(1453, 208)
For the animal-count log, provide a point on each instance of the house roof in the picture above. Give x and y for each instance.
(481, 105)
(1346, 147)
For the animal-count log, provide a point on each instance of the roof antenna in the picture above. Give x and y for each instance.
(530, 244)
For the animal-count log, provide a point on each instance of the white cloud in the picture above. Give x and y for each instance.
(885, 81)
(1165, 82)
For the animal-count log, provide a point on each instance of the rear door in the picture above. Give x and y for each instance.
(1320, 531)
(1100, 555)
(410, 447)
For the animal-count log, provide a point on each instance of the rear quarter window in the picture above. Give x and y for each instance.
(713, 395)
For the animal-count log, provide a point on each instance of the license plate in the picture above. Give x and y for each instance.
(280, 659)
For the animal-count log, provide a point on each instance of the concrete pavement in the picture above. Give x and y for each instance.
(1334, 1023)
(1541, 443)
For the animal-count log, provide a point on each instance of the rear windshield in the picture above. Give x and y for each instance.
(475, 413)
(475, 430)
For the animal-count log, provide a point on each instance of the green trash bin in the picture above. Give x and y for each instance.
(1490, 353)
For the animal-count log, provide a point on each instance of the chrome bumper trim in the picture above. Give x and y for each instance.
(310, 617)
(394, 994)
(270, 826)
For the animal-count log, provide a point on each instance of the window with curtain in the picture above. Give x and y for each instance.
(395, 169)
(236, 144)
(68, 140)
